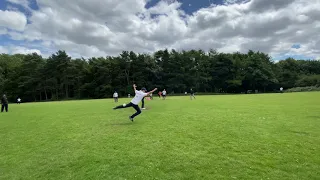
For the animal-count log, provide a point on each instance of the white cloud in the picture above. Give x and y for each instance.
(3, 50)
(24, 50)
(12, 8)
(3, 31)
(104, 27)
(23, 3)
(227, 2)
(13, 20)
(18, 50)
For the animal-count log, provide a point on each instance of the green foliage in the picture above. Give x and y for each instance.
(304, 89)
(34, 78)
(311, 80)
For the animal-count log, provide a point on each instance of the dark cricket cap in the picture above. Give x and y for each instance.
(143, 89)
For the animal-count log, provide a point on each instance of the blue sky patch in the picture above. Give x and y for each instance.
(296, 46)
(298, 57)
(190, 6)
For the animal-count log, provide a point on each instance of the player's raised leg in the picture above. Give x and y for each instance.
(123, 106)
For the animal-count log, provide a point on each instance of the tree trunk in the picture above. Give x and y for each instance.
(79, 94)
(127, 76)
(57, 94)
(67, 95)
(45, 92)
(34, 95)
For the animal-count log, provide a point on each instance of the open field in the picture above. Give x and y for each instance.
(265, 136)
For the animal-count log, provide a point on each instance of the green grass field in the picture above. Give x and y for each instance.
(267, 136)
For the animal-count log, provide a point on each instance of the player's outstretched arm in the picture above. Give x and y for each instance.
(150, 92)
(134, 87)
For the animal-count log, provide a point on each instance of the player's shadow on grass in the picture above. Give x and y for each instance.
(314, 117)
(121, 124)
(300, 133)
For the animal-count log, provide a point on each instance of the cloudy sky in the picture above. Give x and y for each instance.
(282, 28)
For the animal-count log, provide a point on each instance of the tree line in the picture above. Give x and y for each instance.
(34, 78)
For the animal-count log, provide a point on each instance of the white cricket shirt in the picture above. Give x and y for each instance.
(138, 97)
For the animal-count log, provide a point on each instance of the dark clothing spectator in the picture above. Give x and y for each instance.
(4, 103)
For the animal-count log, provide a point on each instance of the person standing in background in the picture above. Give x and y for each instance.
(18, 100)
(115, 96)
(164, 94)
(4, 103)
(192, 94)
(142, 101)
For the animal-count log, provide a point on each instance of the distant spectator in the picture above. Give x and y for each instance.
(18, 100)
(164, 94)
(142, 101)
(192, 94)
(281, 90)
(115, 96)
(4, 103)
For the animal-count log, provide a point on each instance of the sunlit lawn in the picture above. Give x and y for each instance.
(269, 136)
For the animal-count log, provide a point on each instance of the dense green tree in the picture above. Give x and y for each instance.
(34, 78)
(259, 72)
(30, 82)
(310, 80)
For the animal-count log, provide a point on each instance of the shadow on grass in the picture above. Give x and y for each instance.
(314, 117)
(300, 133)
(121, 124)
